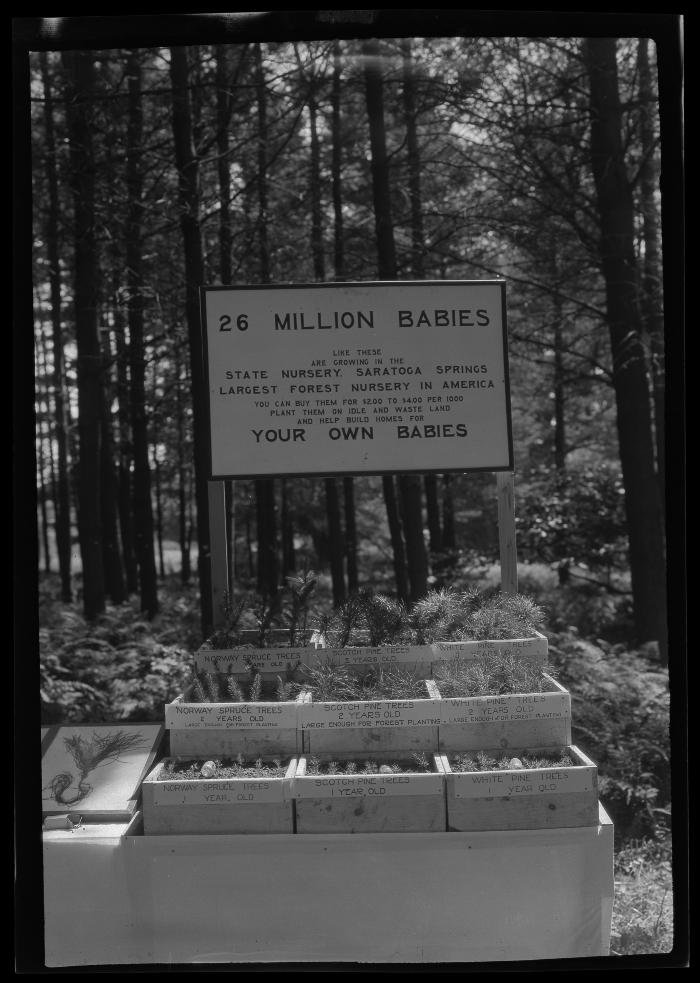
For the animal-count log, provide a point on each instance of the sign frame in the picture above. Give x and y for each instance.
(457, 467)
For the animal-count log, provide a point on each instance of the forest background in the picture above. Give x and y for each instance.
(353, 156)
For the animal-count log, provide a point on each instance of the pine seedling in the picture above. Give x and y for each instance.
(384, 618)
(283, 690)
(371, 768)
(301, 588)
(345, 620)
(502, 615)
(438, 615)
(421, 760)
(265, 610)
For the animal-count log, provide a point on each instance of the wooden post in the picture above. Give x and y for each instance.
(506, 532)
(219, 554)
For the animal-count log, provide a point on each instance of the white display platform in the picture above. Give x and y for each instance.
(122, 899)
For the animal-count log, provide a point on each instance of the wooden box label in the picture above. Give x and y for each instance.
(238, 660)
(232, 791)
(501, 784)
(344, 786)
(526, 648)
(226, 716)
(512, 706)
(367, 655)
(369, 713)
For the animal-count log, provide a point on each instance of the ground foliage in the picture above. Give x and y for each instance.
(124, 668)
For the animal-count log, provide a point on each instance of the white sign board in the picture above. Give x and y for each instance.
(349, 378)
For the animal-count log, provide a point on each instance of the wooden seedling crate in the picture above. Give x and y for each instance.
(509, 720)
(409, 802)
(229, 805)
(521, 798)
(532, 649)
(329, 727)
(253, 728)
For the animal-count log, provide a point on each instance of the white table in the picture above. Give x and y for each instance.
(112, 898)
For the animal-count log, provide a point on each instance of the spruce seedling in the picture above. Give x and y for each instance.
(234, 689)
(301, 588)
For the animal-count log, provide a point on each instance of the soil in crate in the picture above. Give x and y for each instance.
(526, 789)
(346, 794)
(219, 796)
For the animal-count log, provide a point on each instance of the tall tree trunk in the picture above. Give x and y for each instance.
(185, 571)
(111, 554)
(414, 164)
(335, 540)
(559, 388)
(62, 497)
(634, 425)
(335, 532)
(80, 72)
(409, 485)
(350, 534)
(188, 187)
(396, 536)
(159, 514)
(449, 541)
(350, 541)
(268, 563)
(652, 274)
(223, 114)
(288, 557)
(418, 273)
(41, 484)
(338, 251)
(432, 508)
(143, 506)
(125, 453)
(266, 527)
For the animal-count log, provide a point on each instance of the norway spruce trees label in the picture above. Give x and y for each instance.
(357, 378)
(226, 716)
(238, 660)
(232, 791)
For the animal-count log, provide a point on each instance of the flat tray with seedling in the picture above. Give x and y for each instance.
(373, 793)
(533, 788)
(219, 795)
(378, 709)
(225, 714)
(499, 700)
